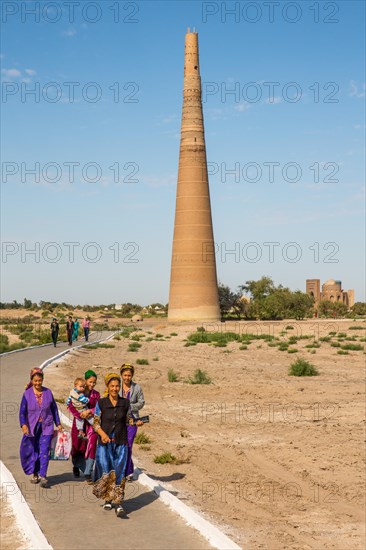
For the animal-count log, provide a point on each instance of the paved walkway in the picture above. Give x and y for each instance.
(68, 514)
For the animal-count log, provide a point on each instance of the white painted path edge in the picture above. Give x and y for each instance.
(24, 519)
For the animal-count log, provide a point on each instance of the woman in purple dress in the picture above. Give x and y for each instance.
(38, 412)
(133, 392)
(83, 451)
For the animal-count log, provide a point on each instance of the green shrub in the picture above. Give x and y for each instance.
(172, 376)
(188, 344)
(325, 339)
(292, 350)
(283, 346)
(142, 362)
(356, 328)
(289, 327)
(133, 347)
(333, 333)
(342, 352)
(292, 339)
(342, 335)
(314, 345)
(353, 347)
(142, 438)
(301, 367)
(166, 458)
(159, 335)
(199, 377)
(335, 344)
(220, 344)
(243, 347)
(173, 334)
(155, 358)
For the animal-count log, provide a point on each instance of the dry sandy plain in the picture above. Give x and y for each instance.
(276, 461)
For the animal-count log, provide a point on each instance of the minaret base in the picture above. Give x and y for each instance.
(194, 314)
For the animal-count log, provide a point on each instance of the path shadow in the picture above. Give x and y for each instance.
(172, 477)
(139, 501)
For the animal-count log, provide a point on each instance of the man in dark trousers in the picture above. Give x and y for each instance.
(54, 331)
(70, 329)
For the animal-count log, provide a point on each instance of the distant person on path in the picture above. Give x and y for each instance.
(38, 412)
(80, 402)
(54, 330)
(83, 451)
(69, 329)
(133, 392)
(111, 417)
(75, 332)
(86, 327)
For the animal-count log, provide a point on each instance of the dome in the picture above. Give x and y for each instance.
(330, 282)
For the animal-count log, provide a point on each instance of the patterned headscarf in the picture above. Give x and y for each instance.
(127, 366)
(108, 378)
(33, 372)
(89, 373)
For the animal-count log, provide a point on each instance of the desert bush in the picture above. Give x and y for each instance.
(142, 362)
(289, 327)
(142, 438)
(342, 352)
(199, 377)
(335, 344)
(353, 347)
(165, 458)
(356, 327)
(172, 376)
(292, 350)
(173, 334)
(301, 367)
(243, 347)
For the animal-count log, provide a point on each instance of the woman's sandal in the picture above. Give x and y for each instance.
(120, 512)
(107, 506)
(35, 479)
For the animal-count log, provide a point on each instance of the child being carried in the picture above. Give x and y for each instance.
(80, 402)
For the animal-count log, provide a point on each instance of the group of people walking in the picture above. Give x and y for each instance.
(102, 433)
(72, 329)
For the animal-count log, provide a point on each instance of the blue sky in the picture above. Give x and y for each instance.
(308, 127)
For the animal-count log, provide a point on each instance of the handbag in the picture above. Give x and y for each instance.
(60, 447)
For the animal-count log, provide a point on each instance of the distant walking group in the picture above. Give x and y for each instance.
(102, 433)
(72, 329)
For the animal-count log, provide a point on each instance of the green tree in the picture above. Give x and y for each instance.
(229, 300)
(359, 308)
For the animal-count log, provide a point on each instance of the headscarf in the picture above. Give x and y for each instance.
(108, 378)
(33, 372)
(127, 366)
(89, 373)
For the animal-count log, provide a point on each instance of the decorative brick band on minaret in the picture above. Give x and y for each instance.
(193, 281)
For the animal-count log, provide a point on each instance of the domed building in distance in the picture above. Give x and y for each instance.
(331, 290)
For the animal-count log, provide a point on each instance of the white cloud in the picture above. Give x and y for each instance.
(355, 91)
(31, 72)
(11, 73)
(69, 32)
(242, 106)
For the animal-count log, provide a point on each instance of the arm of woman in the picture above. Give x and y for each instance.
(139, 400)
(55, 415)
(97, 425)
(23, 415)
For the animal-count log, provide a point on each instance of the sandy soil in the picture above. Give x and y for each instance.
(276, 461)
(11, 537)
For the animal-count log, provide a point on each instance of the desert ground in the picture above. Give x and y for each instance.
(276, 461)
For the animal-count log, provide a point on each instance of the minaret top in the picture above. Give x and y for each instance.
(193, 32)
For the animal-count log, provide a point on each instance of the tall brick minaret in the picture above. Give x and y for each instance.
(193, 280)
